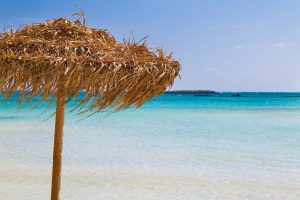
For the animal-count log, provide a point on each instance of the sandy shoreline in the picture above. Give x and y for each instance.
(19, 181)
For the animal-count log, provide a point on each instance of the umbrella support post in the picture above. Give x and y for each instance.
(58, 145)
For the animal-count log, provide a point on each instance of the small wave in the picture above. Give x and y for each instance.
(292, 96)
(8, 117)
(203, 95)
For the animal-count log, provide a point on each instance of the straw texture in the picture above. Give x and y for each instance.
(37, 58)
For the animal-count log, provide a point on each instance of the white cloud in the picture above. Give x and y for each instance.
(239, 47)
(212, 70)
(233, 27)
(280, 45)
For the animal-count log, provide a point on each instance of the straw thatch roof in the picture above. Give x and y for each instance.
(38, 59)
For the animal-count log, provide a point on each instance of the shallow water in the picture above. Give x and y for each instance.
(174, 147)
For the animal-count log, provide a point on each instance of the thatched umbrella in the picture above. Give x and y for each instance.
(61, 59)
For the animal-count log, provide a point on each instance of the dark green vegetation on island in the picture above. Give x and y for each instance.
(200, 92)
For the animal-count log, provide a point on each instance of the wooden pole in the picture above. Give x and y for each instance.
(58, 144)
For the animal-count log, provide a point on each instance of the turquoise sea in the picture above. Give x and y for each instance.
(177, 146)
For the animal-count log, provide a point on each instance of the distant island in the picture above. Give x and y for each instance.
(193, 91)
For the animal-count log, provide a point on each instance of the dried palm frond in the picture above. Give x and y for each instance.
(39, 59)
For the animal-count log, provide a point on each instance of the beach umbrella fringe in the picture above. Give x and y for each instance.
(115, 74)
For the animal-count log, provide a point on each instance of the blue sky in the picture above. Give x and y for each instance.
(224, 45)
